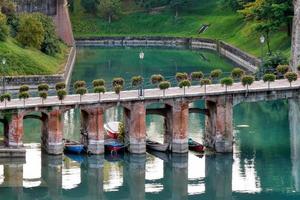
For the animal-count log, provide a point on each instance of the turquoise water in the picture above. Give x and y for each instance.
(265, 163)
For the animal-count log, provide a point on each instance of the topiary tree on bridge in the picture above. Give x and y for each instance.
(247, 80)
(118, 89)
(216, 74)
(204, 82)
(60, 86)
(98, 83)
(181, 76)
(6, 97)
(164, 85)
(227, 82)
(183, 84)
(79, 84)
(137, 81)
(237, 73)
(61, 94)
(197, 76)
(156, 79)
(269, 78)
(282, 70)
(43, 91)
(24, 93)
(81, 91)
(100, 90)
(291, 76)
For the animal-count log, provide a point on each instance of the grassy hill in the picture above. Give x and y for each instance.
(224, 24)
(24, 61)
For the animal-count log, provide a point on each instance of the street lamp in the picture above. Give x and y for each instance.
(262, 41)
(142, 56)
(3, 75)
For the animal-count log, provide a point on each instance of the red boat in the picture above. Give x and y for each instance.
(113, 145)
(112, 129)
(195, 146)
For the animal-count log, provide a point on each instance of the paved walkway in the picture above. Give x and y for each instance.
(174, 92)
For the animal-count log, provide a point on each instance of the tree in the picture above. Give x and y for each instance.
(24, 95)
(81, 91)
(5, 98)
(43, 87)
(204, 82)
(291, 76)
(79, 84)
(156, 79)
(98, 82)
(30, 31)
(3, 27)
(60, 86)
(90, 6)
(118, 89)
(100, 90)
(215, 74)
(269, 78)
(183, 84)
(247, 80)
(227, 81)
(136, 81)
(272, 61)
(110, 9)
(24, 88)
(61, 94)
(163, 86)
(43, 91)
(197, 76)
(181, 76)
(178, 5)
(282, 69)
(237, 73)
(118, 81)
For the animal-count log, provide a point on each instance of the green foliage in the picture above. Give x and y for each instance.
(118, 89)
(24, 95)
(121, 130)
(3, 27)
(60, 86)
(282, 69)
(136, 81)
(43, 87)
(61, 94)
(205, 81)
(269, 78)
(237, 73)
(247, 80)
(43, 95)
(272, 61)
(291, 76)
(164, 85)
(79, 84)
(197, 76)
(227, 81)
(110, 9)
(156, 79)
(181, 76)
(98, 82)
(152, 3)
(118, 81)
(215, 74)
(81, 91)
(90, 6)
(5, 97)
(178, 5)
(24, 88)
(184, 83)
(30, 31)
(100, 89)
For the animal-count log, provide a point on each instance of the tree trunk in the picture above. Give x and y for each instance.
(225, 88)
(183, 91)
(119, 96)
(204, 89)
(269, 85)
(247, 89)
(290, 84)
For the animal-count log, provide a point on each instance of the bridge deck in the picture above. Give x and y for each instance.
(153, 94)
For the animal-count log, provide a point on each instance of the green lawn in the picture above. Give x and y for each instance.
(225, 25)
(21, 61)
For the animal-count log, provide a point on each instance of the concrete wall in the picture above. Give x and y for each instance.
(234, 54)
(296, 36)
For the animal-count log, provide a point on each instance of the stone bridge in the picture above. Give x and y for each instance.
(176, 107)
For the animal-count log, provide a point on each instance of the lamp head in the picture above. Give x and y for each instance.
(262, 39)
(142, 55)
(3, 61)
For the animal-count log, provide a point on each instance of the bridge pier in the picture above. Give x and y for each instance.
(218, 124)
(52, 132)
(92, 120)
(135, 125)
(14, 130)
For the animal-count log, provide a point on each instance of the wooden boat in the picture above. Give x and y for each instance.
(156, 146)
(112, 129)
(113, 146)
(73, 147)
(195, 146)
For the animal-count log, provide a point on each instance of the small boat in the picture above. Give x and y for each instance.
(77, 158)
(73, 147)
(113, 145)
(156, 146)
(195, 146)
(112, 129)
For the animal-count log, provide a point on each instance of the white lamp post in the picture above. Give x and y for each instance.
(3, 75)
(142, 56)
(262, 41)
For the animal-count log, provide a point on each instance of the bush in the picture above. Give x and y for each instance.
(43, 95)
(272, 61)
(118, 89)
(282, 69)
(90, 6)
(227, 81)
(269, 78)
(43, 87)
(79, 84)
(237, 73)
(184, 83)
(81, 91)
(247, 80)
(4, 30)
(98, 82)
(215, 74)
(291, 76)
(30, 31)
(5, 97)
(181, 76)
(164, 85)
(110, 9)
(60, 86)
(118, 81)
(100, 89)
(156, 79)
(61, 94)
(197, 76)
(136, 81)
(24, 88)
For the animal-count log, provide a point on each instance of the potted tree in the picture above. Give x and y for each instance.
(137, 81)
(118, 89)
(269, 78)
(183, 84)
(43, 91)
(291, 76)
(61, 94)
(247, 80)
(164, 85)
(227, 81)
(6, 97)
(237, 73)
(100, 90)
(204, 82)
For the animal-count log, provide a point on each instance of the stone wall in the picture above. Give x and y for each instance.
(234, 54)
(296, 36)
(48, 7)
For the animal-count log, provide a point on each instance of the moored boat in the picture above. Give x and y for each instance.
(156, 146)
(113, 145)
(73, 147)
(112, 129)
(195, 146)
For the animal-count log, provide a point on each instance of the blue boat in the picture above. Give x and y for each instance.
(73, 147)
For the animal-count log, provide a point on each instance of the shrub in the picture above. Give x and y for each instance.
(164, 85)
(204, 82)
(60, 86)
(90, 6)
(24, 88)
(43, 87)
(156, 79)
(181, 76)
(4, 30)
(215, 74)
(237, 73)
(282, 69)
(110, 9)
(30, 31)
(81, 91)
(61, 94)
(99, 90)
(183, 84)
(43, 95)
(5, 97)
(136, 81)
(79, 84)
(197, 76)
(291, 76)
(269, 78)
(227, 81)
(98, 82)
(118, 81)
(24, 95)
(247, 80)
(272, 61)
(118, 89)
